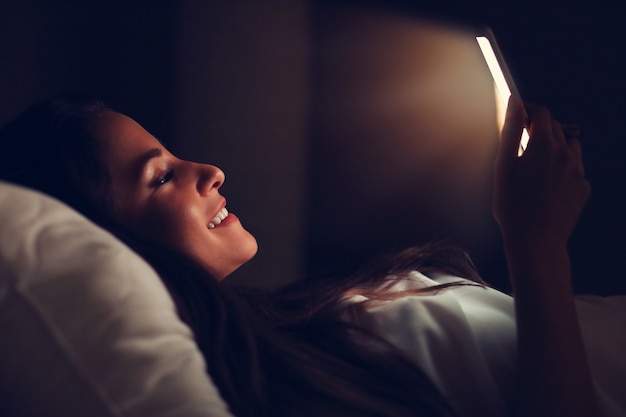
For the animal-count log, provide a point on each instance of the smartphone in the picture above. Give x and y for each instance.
(504, 86)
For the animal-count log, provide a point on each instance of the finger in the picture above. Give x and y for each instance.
(576, 150)
(540, 128)
(512, 131)
(557, 132)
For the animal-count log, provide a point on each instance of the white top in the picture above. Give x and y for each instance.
(464, 339)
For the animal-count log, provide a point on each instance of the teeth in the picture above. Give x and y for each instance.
(218, 219)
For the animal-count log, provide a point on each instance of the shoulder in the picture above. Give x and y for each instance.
(439, 300)
(455, 334)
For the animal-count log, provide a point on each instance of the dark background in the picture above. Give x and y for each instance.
(568, 57)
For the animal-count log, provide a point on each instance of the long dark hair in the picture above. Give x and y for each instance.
(283, 353)
(49, 148)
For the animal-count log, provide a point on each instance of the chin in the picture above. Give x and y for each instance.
(249, 248)
(248, 252)
(245, 252)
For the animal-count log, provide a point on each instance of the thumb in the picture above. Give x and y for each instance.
(511, 132)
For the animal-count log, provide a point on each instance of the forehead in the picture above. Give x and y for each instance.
(123, 141)
(120, 134)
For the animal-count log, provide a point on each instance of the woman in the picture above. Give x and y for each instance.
(316, 348)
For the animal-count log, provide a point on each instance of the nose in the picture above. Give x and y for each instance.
(210, 178)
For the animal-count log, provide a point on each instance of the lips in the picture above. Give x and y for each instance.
(217, 220)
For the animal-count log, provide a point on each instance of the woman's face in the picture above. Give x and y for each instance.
(171, 201)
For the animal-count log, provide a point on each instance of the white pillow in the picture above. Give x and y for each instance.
(86, 326)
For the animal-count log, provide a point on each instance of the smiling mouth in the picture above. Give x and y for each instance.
(217, 220)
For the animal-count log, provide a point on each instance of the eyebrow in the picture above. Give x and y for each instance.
(147, 157)
(152, 153)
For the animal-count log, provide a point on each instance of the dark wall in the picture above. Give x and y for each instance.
(121, 51)
(403, 136)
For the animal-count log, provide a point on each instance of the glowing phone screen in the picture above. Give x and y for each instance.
(503, 82)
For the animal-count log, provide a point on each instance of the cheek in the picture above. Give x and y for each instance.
(183, 228)
(167, 225)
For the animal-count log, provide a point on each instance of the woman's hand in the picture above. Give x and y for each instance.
(538, 197)
(540, 194)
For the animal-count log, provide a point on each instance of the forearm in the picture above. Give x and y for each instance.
(553, 376)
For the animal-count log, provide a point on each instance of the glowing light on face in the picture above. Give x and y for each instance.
(503, 92)
(170, 201)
